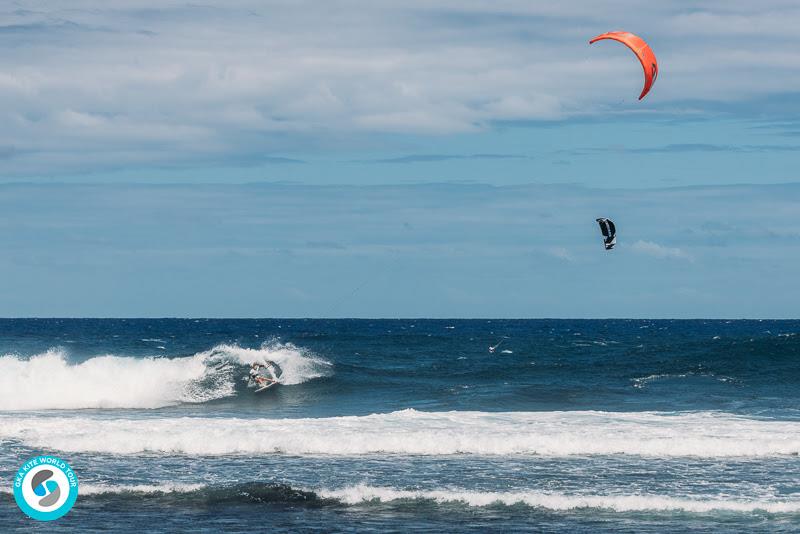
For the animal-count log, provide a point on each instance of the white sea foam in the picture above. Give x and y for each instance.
(298, 365)
(51, 381)
(561, 502)
(652, 434)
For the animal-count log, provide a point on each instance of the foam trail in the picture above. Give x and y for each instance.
(651, 434)
(49, 381)
(562, 502)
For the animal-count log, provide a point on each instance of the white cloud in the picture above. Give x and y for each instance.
(167, 82)
(560, 253)
(659, 251)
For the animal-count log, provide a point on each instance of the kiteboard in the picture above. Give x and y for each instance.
(263, 388)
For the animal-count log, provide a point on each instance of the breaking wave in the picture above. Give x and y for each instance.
(360, 495)
(50, 381)
(410, 432)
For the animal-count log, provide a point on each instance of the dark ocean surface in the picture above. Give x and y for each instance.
(394, 425)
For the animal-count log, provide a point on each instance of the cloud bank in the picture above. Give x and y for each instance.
(97, 85)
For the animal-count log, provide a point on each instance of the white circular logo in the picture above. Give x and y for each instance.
(45, 488)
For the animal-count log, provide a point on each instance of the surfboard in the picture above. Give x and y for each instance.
(262, 388)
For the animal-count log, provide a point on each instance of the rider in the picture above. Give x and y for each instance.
(257, 376)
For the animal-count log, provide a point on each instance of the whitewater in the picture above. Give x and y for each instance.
(701, 434)
(113, 381)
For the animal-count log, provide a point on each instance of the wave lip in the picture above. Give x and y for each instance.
(48, 381)
(410, 432)
(297, 364)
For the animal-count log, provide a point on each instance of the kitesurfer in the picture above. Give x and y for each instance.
(256, 376)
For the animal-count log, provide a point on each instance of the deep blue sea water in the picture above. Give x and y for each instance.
(399, 425)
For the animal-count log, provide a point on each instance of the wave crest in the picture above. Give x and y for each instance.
(298, 364)
(50, 381)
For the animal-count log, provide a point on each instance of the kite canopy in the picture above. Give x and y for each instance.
(609, 232)
(642, 51)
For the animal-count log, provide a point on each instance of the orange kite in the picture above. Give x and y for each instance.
(642, 51)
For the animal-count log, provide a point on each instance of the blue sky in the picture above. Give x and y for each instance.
(421, 158)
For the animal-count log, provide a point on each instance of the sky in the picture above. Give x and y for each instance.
(424, 158)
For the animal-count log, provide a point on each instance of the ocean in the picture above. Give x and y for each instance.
(408, 425)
